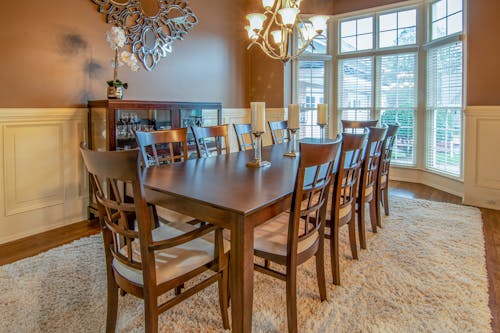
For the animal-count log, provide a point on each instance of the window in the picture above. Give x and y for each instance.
(311, 92)
(356, 35)
(355, 88)
(387, 69)
(446, 18)
(397, 29)
(397, 101)
(444, 109)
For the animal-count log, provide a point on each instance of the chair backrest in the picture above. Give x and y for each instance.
(244, 136)
(158, 147)
(357, 126)
(371, 162)
(208, 140)
(279, 131)
(310, 196)
(107, 170)
(347, 174)
(385, 159)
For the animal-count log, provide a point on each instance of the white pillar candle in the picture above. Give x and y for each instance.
(258, 116)
(322, 114)
(293, 116)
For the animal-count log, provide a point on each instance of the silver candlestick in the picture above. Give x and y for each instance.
(293, 143)
(322, 132)
(257, 162)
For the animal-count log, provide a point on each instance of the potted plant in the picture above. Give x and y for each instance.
(116, 39)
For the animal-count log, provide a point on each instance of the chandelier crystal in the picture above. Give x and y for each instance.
(280, 19)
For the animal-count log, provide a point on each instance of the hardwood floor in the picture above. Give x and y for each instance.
(33, 245)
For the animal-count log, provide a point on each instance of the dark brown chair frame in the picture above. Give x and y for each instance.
(344, 195)
(217, 132)
(150, 141)
(368, 180)
(117, 224)
(309, 203)
(244, 131)
(384, 168)
(356, 126)
(279, 131)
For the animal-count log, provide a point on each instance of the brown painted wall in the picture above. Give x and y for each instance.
(54, 54)
(483, 58)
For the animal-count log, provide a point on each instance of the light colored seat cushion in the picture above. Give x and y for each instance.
(383, 180)
(164, 214)
(271, 237)
(344, 211)
(171, 262)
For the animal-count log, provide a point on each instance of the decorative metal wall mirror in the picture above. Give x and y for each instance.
(151, 26)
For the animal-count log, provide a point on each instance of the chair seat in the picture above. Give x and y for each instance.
(172, 262)
(344, 211)
(272, 236)
(165, 215)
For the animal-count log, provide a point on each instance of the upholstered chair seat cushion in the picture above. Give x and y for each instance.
(164, 214)
(272, 236)
(171, 262)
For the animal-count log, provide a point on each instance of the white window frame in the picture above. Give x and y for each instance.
(424, 42)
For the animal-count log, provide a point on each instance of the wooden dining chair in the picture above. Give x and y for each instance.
(145, 261)
(357, 126)
(290, 239)
(279, 131)
(384, 168)
(244, 136)
(343, 200)
(208, 140)
(159, 147)
(368, 182)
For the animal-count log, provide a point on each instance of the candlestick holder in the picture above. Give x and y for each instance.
(293, 143)
(257, 162)
(322, 132)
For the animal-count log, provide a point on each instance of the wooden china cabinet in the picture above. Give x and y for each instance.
(112, 122)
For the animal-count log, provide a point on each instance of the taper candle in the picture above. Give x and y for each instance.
(258, 116)
(293, 116)
(322, 114)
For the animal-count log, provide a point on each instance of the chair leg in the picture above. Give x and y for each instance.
(352, 239)
(150, 312)
(112, 307)
(361, 224)
(334, 253)
(386, 200)
(377, 201)
(223, 297)
(291, 298)
(373, 215)
(320, 270)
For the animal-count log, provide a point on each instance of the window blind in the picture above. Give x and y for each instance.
(397, 101)
(355, 88)
(444, 108)
(311, 92)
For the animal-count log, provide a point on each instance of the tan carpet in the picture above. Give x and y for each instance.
(423, 272)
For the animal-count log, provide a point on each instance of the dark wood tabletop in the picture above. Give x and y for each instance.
(226, 182)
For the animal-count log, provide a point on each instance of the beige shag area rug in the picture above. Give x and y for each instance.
(423, 272)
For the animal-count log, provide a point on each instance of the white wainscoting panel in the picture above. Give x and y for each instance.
(482, 156)
(43, 184)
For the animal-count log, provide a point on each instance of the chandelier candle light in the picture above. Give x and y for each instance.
(258, 126)
(322, 119)
(279, 20)
(293, 126)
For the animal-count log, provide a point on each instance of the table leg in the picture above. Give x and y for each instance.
(241, 276)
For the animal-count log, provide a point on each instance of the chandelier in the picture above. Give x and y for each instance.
(280, 19)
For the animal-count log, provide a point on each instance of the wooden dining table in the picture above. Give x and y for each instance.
(223, 191)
